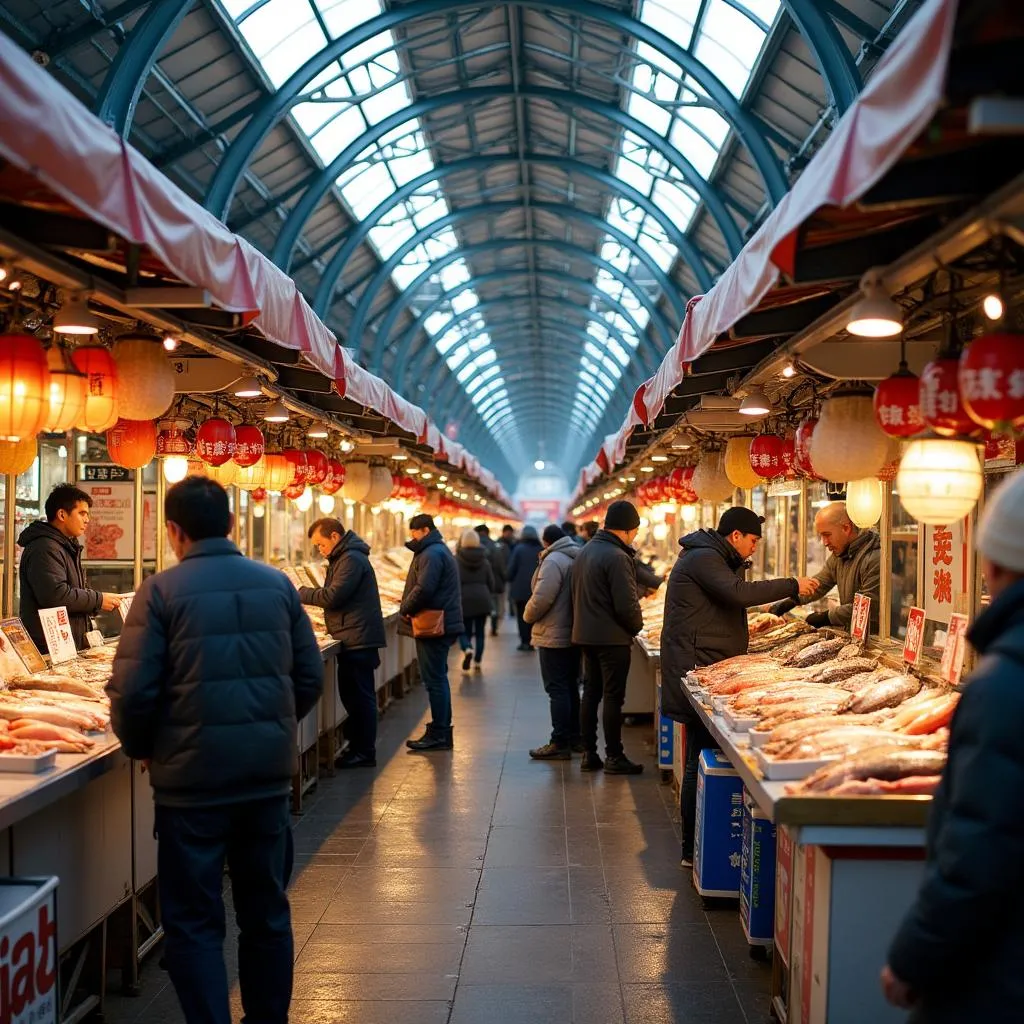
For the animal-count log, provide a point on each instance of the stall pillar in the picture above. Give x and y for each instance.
(139, 512)
(10, 533)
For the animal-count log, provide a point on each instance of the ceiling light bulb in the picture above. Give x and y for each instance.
(75, 317)
(175, 468)
(346, 445)
(413, 471)
(756, 403)
(4, 272)
(993, 307)
(875, 315)
(170, 343)
(400, 457)
(304, 502)
(443, 479)
(659, 458)
(646, 469)
(430, 476)
(318, 432)
(539, 465)
(326, 504)
(276, 413)
(247, 387)
(788, 371)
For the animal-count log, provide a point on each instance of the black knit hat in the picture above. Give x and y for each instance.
(740, 518)
(621, 515)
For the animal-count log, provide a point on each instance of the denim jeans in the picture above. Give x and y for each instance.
(476, 628)
(432, 655)
(697, 739)
(358, 693)
(560, 670)
(255, 839)
(607, 669)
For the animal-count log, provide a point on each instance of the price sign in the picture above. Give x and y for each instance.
(94, 638)
(125, 606)
(861, 617)
(915, 636)
(57, 634)
(953, 652)
(15, 633)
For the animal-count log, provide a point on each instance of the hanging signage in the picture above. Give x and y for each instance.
(861, 617)
(57, 633)
(915, 636)
(16, 634)
(945, 570)
(953, 652)
(105, 473)
(110, 536)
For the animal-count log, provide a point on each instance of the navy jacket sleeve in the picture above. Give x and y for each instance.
(725, 586)
(49, 580)
(307, 663)
(342, 583)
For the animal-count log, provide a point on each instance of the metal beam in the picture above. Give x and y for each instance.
(325, 180)
(276, 106)
(835, 62)
(59, 42)
(124, 82)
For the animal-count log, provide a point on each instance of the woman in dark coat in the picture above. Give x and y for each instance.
(521, 567)
(477, 579)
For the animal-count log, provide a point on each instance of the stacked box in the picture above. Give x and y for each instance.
(666, 736)
(718, 842)
(757, 875)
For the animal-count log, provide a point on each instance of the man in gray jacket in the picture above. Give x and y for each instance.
(549, 611)
(216, 665)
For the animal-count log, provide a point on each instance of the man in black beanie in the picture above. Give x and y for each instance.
(606, 617)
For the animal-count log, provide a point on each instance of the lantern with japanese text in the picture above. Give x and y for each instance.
(278, 472)
(249, 445)
(897, 404)
(294, 491)
(145, 377)
(802, 448)
(132, 443)
(174, 437)
(941, 404)
(300, 466)
(215, 441)
(317, 467)
(991, 379)
(16, 457)
(709, 480)
(66, 394)
(847, 443)
(24, 387)
(737, 463)
(335, 477)
(940, 479)
(101, 403)
(766, 452)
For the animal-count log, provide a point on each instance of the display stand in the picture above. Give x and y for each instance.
(644, 667)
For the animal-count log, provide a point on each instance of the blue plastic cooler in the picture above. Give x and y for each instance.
(757, 875)
(718, 843)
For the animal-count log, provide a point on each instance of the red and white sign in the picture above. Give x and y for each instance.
(783, 891)
(861, 617)
(915, 636)
(28, 954)
(57, 633)
(945, 569)
(953, 652)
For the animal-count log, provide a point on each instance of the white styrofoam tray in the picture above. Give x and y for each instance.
(739, 723)
(28, 763)
(788, 771)
(758, 739)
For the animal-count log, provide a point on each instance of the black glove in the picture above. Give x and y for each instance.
(783, 606)
(817, 619)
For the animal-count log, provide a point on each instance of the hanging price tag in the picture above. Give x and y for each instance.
(956, 646)
(915, 637)
(125, 606)
(861, 617)
(57, 634)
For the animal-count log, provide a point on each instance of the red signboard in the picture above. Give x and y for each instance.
(861, 617)
(915, 636)
(953, 652)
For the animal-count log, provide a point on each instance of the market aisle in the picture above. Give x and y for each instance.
(483, 888)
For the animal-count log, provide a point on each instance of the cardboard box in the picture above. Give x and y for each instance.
(717, 848)
(757, 875)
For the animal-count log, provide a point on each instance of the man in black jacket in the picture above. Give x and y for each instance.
(606, 617)
(216, 665)
(706, 621)
(957, 956)
(497, 555)
(432, 586)
(51, 572)
(352, 614)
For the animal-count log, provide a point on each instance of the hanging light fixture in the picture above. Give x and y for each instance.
(940, 479)
(247, 387)
(24, 386)
(875, 314)
(276, 413)
(318, 432)
(175, 468)
(101, 403)
(304, 502)
(992, 307)
(326, 504)
(145, 377)
(67, 392)
(75, 317)
(864, 501)
(756, 403)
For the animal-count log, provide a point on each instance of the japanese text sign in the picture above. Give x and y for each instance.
(915, 636)
(953, 652)
(57, 633)
(861, 617)
(945, 570)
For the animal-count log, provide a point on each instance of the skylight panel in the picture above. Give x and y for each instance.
(729, 44)
(480, 379)
(281, 55)
(693, 146)
(464, 301)
(652, 114)
(390, 238)
(453, 275)
(341, 16)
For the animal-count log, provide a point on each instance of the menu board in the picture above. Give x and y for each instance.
(16, 634)
(110, 536)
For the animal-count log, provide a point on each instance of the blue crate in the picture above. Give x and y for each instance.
(718, 843)
(666, 737)
(757, 875)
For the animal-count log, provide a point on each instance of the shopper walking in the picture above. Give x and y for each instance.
(590, 528)
(498, 557)
(706, 621)
(353, 616)
(606, 617)
(520, 576)
(216, 665)
(476, 580)
(507, 540)
(549, 611)
(431, 611)
(569, 529)
(958, 954)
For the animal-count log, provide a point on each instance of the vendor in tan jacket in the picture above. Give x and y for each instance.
(853, 567)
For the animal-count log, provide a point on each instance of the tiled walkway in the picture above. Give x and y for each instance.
(481, 888)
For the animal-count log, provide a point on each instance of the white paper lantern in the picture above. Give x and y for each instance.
(304, 502)
(939, 479)
(709, 480)
(145, 377)
(381, 485)
(864, 501)
(357, 481)
(847, 443)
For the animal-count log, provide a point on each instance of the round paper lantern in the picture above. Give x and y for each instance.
(300, 467)
(940, 479)
(897, 404)
(847, 443)
(941, 405)
(225, 474)
(215, 441)
(175, 437)
(279, 472)
(991, 378)
(892, 460)
(864, 501)
(317, 467)
(16, 457)
(335, 477)
(252, 478)
(326, 504)
(802, 448)
(304, 502)
(24, 387)
(293, 491)
(380, 485)
(145, 377)
(67, 392)
(766, 451)
(357, 481)
(737, 463)
(259, 495)
(132, 443)
(249, 445)
(709, 480)
(101, 403)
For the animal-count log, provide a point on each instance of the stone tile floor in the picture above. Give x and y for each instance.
(481, 888)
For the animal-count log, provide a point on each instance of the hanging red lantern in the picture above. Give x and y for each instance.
(293, 491)
(24, 387)
(788, 457)
(897, 404)
(249, 445)
(335, 477)
(677, 483)
(101, 402)
(299, 465)
(215, 441)
(175, 437)
(991, 379)
(941, 406)
(802, 448)
(317, 467)
(259, 495)
(132, 443)
(766, 455)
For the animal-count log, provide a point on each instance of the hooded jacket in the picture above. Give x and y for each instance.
(216, 665)
(522, 564)
(349, 597)
(705, 612)
(432, 585)
(51, 575)
(476, 580)
(549, 609)
(605, 605)
(961, 944)
(856, 570)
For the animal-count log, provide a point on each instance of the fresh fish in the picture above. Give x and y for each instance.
(817, 653)
(885, 763)
(935, 717)
(842, 742)
(912, 785)
(889, 693)
(850, 651)
(791, 647)
(836, 672)
(789, 732)
(833, 702)
(53, 681)
(781, 694)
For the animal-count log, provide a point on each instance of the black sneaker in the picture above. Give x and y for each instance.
(577, 747)
(591, 762)
(551, 752)
(621, 765)
(467, 660)
(350, 759)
